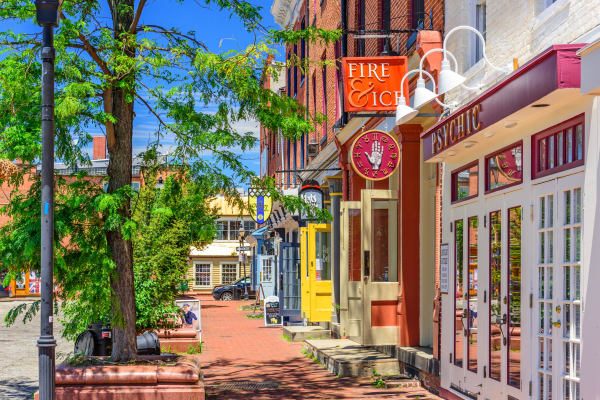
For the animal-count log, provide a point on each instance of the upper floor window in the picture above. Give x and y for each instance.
(558, 148)
(295, 70)
(481, 26)
(302, 51)
(504, 168)
(229, 229)
(360, 25)
(465, 182)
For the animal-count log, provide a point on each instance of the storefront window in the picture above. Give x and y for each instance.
(505, 167)
(323, 261)
(384, 241)
(465, 182)
(559, 147)
(202, 274)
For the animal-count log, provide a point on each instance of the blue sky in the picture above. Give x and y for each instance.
(215, 28)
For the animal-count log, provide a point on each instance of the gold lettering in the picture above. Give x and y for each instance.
(390, 164)
(393, 156)
(468, 120)
(385, 171)
(451, 131)
(357, 155)
(384, 139)
(392, 146)
(476, 121)
(366, 171)
(460, 125)
(365, 139)
(359, 164)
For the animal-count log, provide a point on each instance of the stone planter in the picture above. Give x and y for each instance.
(178, 340)
(150, 378)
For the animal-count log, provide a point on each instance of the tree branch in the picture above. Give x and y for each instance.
(136, 18)
(91, 50)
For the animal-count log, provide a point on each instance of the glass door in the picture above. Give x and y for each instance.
(350, 271)
(558, 218)
(464, 367)
(502, 296)
(380, 267)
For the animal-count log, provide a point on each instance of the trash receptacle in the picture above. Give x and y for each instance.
(148, 344)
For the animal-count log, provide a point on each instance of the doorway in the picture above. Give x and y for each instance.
(369, 268)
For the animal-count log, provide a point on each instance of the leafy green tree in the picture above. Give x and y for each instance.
(107, 63)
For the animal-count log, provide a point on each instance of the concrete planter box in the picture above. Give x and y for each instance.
(181, 380)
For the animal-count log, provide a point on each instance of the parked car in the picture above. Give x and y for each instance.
(232, 291)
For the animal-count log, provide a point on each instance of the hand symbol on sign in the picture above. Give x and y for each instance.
(376, 155)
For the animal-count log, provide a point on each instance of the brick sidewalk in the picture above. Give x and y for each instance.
(240, 349)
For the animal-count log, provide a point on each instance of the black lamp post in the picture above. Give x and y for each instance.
(241, 233)
(47, 17)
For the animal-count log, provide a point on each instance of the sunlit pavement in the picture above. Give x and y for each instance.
(240, 352)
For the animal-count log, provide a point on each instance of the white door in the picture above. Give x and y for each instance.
(267, 276)
(501, 278)
(465, 373)
(558, 218)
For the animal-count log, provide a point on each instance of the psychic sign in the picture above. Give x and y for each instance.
(375, 155)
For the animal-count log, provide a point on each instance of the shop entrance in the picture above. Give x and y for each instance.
(316, 272)
(369, 268)
(488, 296)
(289, 293)
(558, 219)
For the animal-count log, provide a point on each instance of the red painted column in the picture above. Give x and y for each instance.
(408, 238)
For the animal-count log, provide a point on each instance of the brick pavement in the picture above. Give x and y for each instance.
(241, 349)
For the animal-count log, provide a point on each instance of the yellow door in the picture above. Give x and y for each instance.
(320, 272)
(316, 272)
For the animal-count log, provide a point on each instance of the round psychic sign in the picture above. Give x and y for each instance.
(375, 155)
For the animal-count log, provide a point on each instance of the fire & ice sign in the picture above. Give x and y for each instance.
(375, 155)
(373, 83)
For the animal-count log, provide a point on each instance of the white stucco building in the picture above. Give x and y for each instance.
(520, 217)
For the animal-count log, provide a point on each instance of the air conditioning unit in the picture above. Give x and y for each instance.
(313, 149)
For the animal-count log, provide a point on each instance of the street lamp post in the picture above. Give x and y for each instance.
(241, 233)
(47, 17)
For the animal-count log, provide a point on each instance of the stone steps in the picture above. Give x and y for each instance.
(343, 358)
(302, 333)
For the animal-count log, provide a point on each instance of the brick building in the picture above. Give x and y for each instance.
(406, 316)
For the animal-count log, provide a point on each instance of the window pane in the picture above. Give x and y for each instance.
(228, 273)
(577, 320)
(550, 215)
(567, 207)
(569, 133)
(577, 278)
(459, 306)
(550, 246)
(567, 249)
(222, 230)
(567, 358)
(577, 201)
(551, 152)
(505, 168)
(323, 264)
(542, 154)
(542, 212)
(567, 321)
(567, 282)
(472, 294)
(514, 297)
(202, 275)
(542, 247)
(495, 338)
(579, 142)
(560, 148)
(465, 183)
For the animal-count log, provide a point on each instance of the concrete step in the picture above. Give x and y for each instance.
(302, 333)
(344, 357)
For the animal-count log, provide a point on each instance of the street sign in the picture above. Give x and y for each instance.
(242, 248)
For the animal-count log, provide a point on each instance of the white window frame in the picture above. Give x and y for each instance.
(237, 270)
(210, 270)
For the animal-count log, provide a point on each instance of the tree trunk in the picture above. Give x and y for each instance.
(119, 174)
